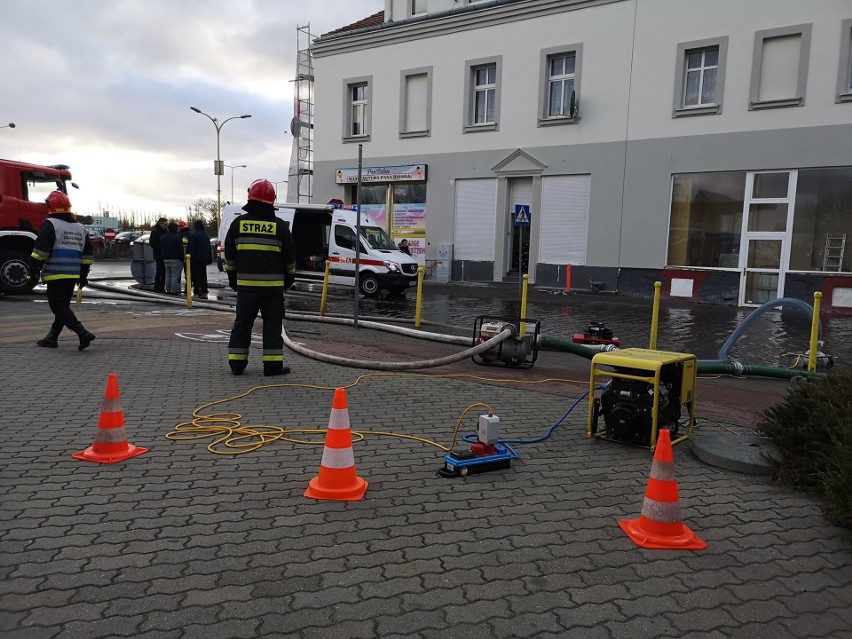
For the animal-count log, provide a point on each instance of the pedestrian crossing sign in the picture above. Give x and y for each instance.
(522, 214)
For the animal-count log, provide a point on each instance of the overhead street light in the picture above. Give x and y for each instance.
(236, 166)
(11, 125)
(275, 184)
(218, 168)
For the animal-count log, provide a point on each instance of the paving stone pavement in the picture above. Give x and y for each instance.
(183, 543)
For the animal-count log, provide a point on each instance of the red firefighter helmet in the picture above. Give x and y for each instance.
(262, 191)
(181, 224)
(58, 202)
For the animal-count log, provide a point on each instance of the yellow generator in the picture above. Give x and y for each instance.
(647, 390)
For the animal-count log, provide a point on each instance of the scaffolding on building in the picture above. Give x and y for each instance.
(301, 172)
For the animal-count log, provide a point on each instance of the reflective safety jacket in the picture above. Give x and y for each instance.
(64, 248)
(259, 249)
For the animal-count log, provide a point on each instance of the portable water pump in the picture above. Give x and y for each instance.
(519, 350)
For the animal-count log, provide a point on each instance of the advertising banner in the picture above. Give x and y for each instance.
(409, 218)
(407, 173)
(417, 246)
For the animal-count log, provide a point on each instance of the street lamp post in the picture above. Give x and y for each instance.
(11, 125)
(275, 184)
(236, 166)
(218, 168)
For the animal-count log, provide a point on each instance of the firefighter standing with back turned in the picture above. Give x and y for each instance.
(260, 260)
(62, 255)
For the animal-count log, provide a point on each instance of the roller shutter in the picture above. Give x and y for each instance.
(564, 219)
(476, 202)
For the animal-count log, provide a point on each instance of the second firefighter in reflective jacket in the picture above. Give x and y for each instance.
(62, 257)
(260, 260)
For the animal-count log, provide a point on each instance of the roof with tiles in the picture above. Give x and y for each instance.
(374, 20)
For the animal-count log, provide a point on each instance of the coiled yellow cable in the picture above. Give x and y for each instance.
(231, 437)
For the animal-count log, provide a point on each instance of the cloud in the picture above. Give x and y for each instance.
(106, 88)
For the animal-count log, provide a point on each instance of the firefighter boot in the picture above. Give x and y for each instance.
(85, 336)
(51, 340)
(275, 369)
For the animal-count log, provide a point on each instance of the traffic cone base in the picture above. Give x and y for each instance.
(659, 526)
(337, 479)
(350, 493)
(684, 540)
(110, 445)
(92, 455)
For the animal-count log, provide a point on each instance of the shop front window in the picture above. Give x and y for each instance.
(822, 223)
(706, 219)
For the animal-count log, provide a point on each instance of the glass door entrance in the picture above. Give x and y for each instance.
(762, 274)
(767, 220)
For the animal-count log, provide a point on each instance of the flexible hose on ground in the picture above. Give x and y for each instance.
(397, 366)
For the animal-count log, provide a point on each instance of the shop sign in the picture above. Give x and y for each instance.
(406, 173)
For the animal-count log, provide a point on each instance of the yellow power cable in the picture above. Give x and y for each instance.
(228, 431)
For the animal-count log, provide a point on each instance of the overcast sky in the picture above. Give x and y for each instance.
(105, 86)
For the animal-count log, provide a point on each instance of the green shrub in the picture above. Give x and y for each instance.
(812, 431)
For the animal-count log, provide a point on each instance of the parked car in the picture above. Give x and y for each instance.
(97, 241)
(127, 237)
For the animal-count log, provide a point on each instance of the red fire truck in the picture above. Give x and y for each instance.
(23, 190)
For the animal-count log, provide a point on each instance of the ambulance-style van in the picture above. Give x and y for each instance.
(322, 233)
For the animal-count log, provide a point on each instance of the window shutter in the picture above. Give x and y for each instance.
(476, 204)
(564, 219)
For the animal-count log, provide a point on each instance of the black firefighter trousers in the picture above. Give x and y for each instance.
(271, 306)
(59, 294)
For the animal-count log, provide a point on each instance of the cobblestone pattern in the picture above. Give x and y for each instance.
(183, 543)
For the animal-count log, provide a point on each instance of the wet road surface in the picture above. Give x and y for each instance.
(778, 338)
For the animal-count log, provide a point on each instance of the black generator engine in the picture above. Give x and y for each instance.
(627, 405)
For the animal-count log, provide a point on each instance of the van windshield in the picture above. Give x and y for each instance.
(377, 238)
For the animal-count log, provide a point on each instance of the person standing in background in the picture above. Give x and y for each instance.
(200, 258)
(172, 249)
(157, 232)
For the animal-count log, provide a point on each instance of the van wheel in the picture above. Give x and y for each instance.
(369, 285)
(14, 268)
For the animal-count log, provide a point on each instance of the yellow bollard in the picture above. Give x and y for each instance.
(655, 316)
(812, 353)
(522, 330)
(419, 306)
(188, 283)
(324, 287)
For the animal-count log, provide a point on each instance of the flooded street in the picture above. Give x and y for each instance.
(683, 327)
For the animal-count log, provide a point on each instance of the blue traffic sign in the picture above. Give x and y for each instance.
(522, 215)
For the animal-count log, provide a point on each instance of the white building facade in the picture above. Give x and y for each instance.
(705, 145)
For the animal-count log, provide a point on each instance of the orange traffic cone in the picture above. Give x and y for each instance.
(337, 479)
(660, 527)
(111, 444)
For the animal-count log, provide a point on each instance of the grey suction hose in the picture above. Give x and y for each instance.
(396, 366)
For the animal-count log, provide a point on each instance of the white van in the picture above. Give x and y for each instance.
(321, 233)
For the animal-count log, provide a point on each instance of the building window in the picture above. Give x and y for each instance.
(706, 219)
(415, 102)
(357, 94)
(417, 7)
(482, 95)
(779, 71)
(699, 77)
(822, 226)
(844, 74)
(559, 83)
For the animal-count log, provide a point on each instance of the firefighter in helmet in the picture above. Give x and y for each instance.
(62, 257)
(260, 260)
